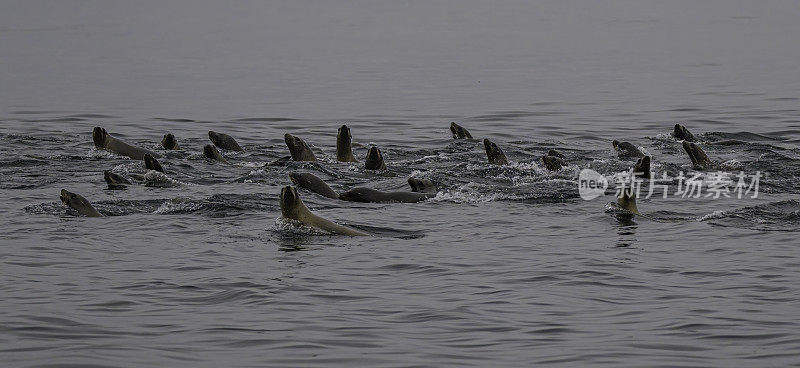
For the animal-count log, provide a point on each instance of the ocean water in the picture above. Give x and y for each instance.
(506, 266)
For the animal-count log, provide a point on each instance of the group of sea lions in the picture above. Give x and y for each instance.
(641, 168)
(292, 206)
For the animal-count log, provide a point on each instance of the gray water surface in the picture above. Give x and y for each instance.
(507, 266)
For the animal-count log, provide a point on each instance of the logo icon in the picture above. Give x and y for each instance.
(591, 184)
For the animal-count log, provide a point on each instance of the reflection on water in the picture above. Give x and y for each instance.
(626, 233)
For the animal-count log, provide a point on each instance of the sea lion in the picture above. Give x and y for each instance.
(642, 168)
(374, 159)
(169, 142)
(211, 152)
(293, 208)
(103, 140)
(680, 132)
(78, 203)
(368, 195)
(700, 160)
(344, 146)
(421, 185)
(150, 163)
(459, 132)
(311, 182)
(627, 201)
(553, 163)
(115, 181)
(298, 148)
(224, 141)
(626, 150)
(494, 153)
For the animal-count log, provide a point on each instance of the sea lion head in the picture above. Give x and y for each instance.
(290, 202)
(169, 142)
(343, 137)
(555, 153)
(302, 180)
(494, 153)
(344, 148)
(74, 200)
(680, 132)
(210, 151)
(553, 163)
(374, 159)
(642, 167)
(459, 132)
(100, 137)
(297, 147)
(626, 149)
(214, 137)
(151, 163)
(114, 180)
(421, 185)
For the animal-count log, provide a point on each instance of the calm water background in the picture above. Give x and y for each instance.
(505, 267)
